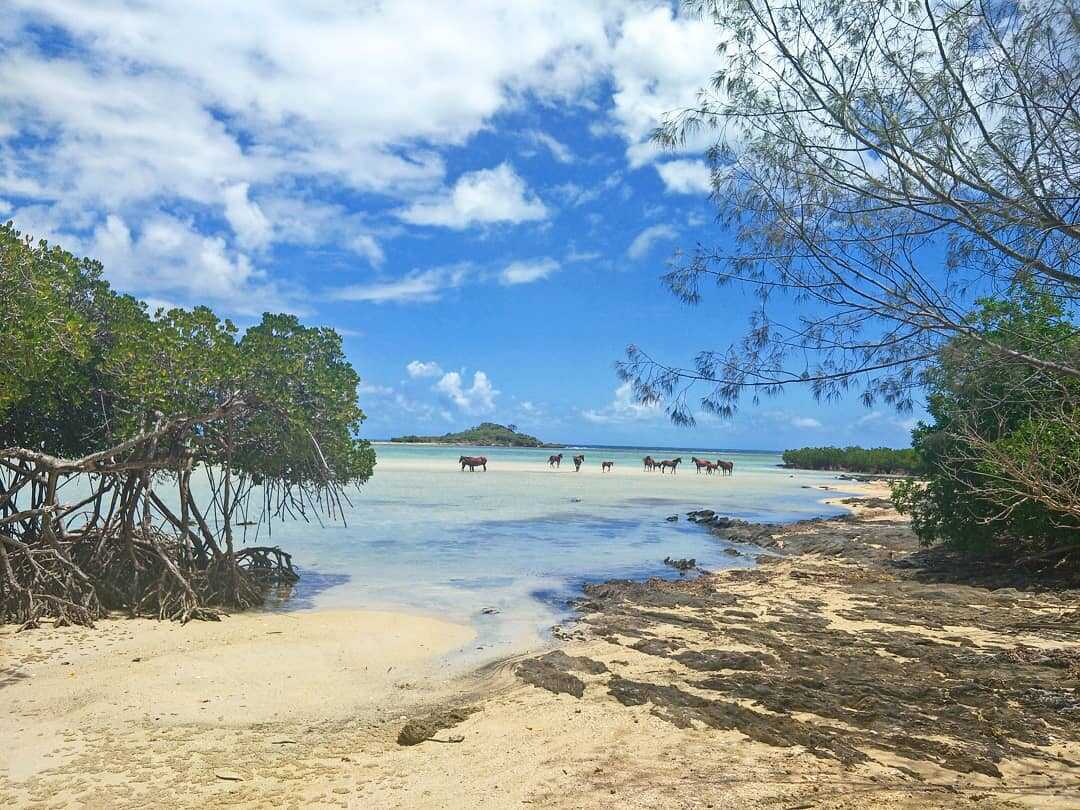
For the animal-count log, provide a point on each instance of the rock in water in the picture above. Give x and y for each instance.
(681, 565)
(672, 518)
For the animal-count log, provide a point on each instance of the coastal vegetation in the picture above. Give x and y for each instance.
(905, 178)
(1001, 456)
(878, 460)
(486, 434)
(108, 411)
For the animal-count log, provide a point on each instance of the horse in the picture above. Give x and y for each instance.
(711, 468)
(605, 466)
(555, 461)
(670, 463)
(472, 462)
(727, 467)
(701, 464)
(578, 461)
(649, 463)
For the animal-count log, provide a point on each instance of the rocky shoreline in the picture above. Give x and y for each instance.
(854, 652)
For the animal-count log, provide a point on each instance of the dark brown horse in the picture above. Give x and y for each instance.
(472, 462)
(701, 464)
(606, 465)
(555, 461)
(726, 467)
(649, 463)
(578, 461)
(669, 464)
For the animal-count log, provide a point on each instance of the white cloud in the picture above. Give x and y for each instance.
(479, 399)
(658, 63)
(252, 228)
(186, 262)
(365, 245)
(624, 408)
(560, 151)
(483, 197)
(526, 272)
(805, 422)
(420, 368)
(686, 176)
(374, 390)
(419, 286)
(644, 241)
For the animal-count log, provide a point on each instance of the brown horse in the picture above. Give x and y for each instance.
(578, 461)
(649, 463)
(605, 466)
(669, 464)
(472, 462)
(555, 461)
(726, 467)
(701, 464)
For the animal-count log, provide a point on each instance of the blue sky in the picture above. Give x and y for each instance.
(466, 191)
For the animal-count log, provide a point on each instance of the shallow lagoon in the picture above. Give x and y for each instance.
(522, 538)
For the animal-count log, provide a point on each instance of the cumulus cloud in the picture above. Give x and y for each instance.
(419, 368)
(658, 63)
(805, 422)
(417, 287)
(483, 197)
(476, 400)
(645, 240)
(526, 272)
(685, 176)
(186, 261)
(623, 408)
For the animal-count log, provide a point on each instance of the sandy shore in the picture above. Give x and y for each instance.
(823, 678)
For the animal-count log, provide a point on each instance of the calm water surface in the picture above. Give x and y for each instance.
(522, 538)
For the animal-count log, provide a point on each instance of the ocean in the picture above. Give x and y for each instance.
(507, 549)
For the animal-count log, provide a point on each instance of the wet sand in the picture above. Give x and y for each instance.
(828, 676)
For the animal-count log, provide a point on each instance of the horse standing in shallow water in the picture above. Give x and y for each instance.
(578, 461)
(472, 462)
(726, 467)
(555, 461)
(649, 463)
(670, 464)
(605, 466)
(701, 464)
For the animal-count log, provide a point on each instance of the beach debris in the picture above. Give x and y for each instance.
(681, 565)
(575, 500)
(489, 611)
(229, 776)
(283, 741)
(421, 729)
(671, 518)
(453, 738)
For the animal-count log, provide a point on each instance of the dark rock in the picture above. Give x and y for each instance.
(550, 673)
(682, 564)
(424, 728)
(671, 518)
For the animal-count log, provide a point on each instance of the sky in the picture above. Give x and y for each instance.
(467, 192)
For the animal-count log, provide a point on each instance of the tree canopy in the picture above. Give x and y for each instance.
(96, 388)
(883, 166)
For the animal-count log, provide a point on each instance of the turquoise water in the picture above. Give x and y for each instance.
(522, 538)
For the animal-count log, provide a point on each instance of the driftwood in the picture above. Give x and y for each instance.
(119, 545)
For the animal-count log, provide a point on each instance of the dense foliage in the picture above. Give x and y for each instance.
(82, 368)
(100, 398)
(487, 434)
(883, 460)
(1002, 454)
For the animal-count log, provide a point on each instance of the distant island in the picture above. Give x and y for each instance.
(486, 434)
